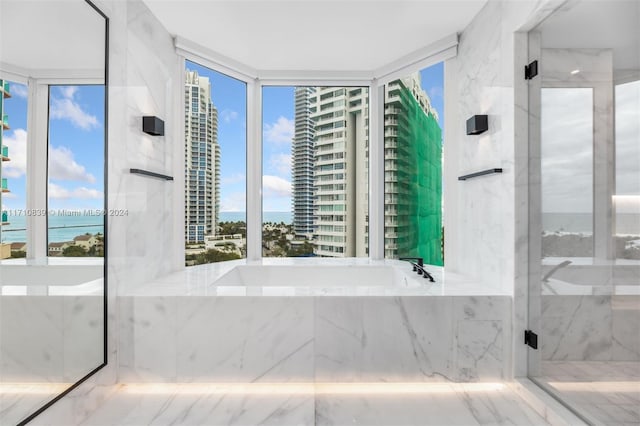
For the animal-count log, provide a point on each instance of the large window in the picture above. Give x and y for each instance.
(315, 171)
(13, 169)
(76, 171)
(627, 198)
(215, 166)
(567, 172)
(413, 119)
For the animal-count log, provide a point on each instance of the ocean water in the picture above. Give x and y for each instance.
(61, 228)
(65, 228)
(626, 223)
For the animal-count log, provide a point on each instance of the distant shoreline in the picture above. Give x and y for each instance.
(276, 217)
(65, 228)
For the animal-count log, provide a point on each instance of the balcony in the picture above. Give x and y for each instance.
(5, 122)
(6, 90)
(5, 218)
(4, 154)
(4, 185)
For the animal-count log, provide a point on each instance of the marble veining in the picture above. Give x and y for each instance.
(433, 404)
(605, 392)
(322, 339)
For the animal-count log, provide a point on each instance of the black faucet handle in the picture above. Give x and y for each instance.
(419, 260)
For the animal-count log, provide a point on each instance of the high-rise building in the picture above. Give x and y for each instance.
(413, 183)
(413, 178)
(302, 163)
(340, 116)
(5, 249)
(202, 159)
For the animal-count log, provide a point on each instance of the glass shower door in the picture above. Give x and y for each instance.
(585, 215)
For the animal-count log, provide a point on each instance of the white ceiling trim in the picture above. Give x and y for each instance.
(207, 57)
(71, 76)
(318, 78)
(438, 51)
(443, 49)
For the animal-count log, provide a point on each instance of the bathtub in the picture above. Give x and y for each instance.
(38, 302)
(590, 310)
(588, 276)
(305, 320)
(314, 280)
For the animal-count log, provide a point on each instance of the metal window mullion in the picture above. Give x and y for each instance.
(254, 171)
(37, 169)
(376, 171)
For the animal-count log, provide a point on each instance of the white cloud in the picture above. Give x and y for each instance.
(66, 108)
(19, 90)
(68, 91)
(228, 115)
(17, 144)
(234, 178)
(274, 186)
(59, 192)
(9, 195)
(235, 202)
(628, 138)
(281, 163)
(435, 92)
(279, 132)
(567, 150)
(62, 166)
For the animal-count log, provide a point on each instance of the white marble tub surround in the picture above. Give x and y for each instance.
(205, 280)
(50, 271)
(51, 329)
(233, 323)
(590, 310)
(51, 320)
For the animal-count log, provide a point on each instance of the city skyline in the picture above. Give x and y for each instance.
(229, 96)
(77, 129)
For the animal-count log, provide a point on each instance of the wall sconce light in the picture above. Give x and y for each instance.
(477, 124)
(153, 126)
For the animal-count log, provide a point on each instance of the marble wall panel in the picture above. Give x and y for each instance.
(383, 339)
(245, 339)
(305, 339)
(31, 332)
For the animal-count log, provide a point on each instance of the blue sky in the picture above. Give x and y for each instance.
(433, 83)
(229, 97)
(76, 147)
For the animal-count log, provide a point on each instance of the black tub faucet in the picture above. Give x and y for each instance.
(419, 267)
(419, 260)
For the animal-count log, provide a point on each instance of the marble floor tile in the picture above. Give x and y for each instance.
(180, 405)
(17, 401)
(461, 405)
(606, 393)
(313, 404)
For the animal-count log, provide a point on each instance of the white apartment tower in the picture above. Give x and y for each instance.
(340, 116)
(302, 154)
(401, 140)
(202, 159)
(340, 165)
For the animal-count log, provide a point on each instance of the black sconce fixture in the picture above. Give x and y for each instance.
(153, 126)
(477, 124)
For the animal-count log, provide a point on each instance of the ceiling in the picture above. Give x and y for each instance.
(612, 24)
(61, 37)
(311, 34)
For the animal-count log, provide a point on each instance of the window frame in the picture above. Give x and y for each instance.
(256, 80)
